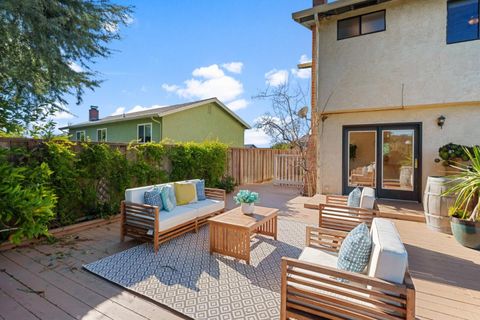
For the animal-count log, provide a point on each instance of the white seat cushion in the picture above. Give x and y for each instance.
(207, 206)
(323, 258)
(136, 195)
(389, 258)
(367, 199)
(176, 217)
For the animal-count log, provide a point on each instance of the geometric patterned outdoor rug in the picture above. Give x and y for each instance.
(185, 277)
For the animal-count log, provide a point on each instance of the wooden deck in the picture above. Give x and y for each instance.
(46, 281)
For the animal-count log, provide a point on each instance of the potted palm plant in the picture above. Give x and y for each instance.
(465, 212)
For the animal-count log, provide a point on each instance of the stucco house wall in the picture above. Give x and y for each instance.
(405, 74)
(207, 122)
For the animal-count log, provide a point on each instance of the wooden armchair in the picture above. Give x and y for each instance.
(335, 214)
(311, 291)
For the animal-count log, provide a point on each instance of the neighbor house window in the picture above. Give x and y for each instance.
(462, 20)
(102, 135)
(80, 136)
(360, 25)
(144, 132)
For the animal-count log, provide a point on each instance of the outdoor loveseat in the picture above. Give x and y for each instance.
(313, 287)
(148, 223)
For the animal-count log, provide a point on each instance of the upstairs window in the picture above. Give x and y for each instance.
(80, 135)
(102, 135)
(361, 25)
(462, 20)
(144, 132)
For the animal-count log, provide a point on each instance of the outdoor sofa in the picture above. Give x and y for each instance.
(336, 214)
(313, 287)
(148, 223)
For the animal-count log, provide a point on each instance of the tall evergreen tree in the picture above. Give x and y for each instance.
(46, 47)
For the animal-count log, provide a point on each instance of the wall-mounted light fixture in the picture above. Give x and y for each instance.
(441, 121)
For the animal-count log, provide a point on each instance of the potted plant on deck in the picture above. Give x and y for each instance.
(465, 212)
(247, 200)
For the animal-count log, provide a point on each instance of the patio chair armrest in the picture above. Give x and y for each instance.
(339, 217)
(336, 199)
(139, 214)
(325, 239)
(318, 290)
(216, 194)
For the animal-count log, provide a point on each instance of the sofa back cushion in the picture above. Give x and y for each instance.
(389, 258)
(367, 198)
(137, 195)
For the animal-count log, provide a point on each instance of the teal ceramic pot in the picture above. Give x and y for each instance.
(466, 232)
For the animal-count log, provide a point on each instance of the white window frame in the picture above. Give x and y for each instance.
(106, 134)
(84, 135)
(151, 131)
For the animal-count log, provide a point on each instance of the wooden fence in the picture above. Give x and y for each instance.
(244, 165)
(252, 165)
(288, 170)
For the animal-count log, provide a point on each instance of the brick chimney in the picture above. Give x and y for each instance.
(93, 113)
(319, 2)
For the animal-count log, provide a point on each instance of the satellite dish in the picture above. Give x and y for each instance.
(303, 112)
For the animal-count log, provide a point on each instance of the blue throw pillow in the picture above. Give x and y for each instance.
(168, 197)
(355, 250)
(354, 198)
(153, 197)
(200, 186)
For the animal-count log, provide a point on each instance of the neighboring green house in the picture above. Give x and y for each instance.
(196, 121)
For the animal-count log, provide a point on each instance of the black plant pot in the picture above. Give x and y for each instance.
(467, 233)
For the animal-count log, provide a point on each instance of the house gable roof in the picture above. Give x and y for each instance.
(159, 112)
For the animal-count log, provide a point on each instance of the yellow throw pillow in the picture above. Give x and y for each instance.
(185, 192)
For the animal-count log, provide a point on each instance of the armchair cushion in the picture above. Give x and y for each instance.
(355, 250)
(354, 198)
(367, 198)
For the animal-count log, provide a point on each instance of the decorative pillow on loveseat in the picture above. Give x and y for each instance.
(354, 198)
(355, 250)
(200, 186)
(153, 197)
(168, 197)
(185, 193)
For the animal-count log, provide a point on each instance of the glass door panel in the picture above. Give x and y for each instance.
(362, 146)
(398, 159)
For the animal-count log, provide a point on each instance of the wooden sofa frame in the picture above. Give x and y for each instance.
(335, 214)
(140, 221)
(304, 286)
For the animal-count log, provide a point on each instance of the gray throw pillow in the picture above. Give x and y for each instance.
(354, 198)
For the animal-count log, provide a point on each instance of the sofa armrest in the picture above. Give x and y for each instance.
(340, 217)
(315, 290)
(141, 215)
(325, 239)
(216, 194)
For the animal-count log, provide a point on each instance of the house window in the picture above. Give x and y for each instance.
(102, 135)
(144, 132)
(462, 20)
(361, 25)
(80, 135)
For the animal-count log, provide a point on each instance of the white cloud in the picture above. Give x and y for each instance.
(121, 110)
(276, 77)
(234, 67)
(62, 115)
(238, 104)
(302, 73)
(257, 137)
(75, 66)
(170, 88)
(210, 72)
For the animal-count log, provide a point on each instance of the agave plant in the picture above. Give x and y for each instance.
(465, 185)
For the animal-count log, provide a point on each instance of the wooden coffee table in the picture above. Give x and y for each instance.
(230, 232)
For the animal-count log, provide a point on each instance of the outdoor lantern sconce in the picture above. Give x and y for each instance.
(441, 121)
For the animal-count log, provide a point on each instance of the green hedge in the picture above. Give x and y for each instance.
(59, 183)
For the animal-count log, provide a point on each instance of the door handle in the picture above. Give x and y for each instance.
(416, 163)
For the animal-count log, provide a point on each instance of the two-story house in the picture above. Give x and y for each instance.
(393, 80)
(195, 121)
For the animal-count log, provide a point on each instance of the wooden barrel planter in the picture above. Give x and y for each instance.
(436, 206)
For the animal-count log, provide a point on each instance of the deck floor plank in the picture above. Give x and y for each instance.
(11, 309)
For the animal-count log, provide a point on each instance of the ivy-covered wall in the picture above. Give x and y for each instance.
(58, 183)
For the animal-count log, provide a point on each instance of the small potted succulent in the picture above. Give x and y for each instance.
(465, 212)
(247, 200)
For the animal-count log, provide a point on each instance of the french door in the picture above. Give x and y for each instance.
(385, 157)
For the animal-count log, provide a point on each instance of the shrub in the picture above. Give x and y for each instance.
(453, 152)
(227, 183)
(26, 201)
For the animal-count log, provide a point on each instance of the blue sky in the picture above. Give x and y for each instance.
(179, 51)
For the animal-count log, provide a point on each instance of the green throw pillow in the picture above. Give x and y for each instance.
(168, 197)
